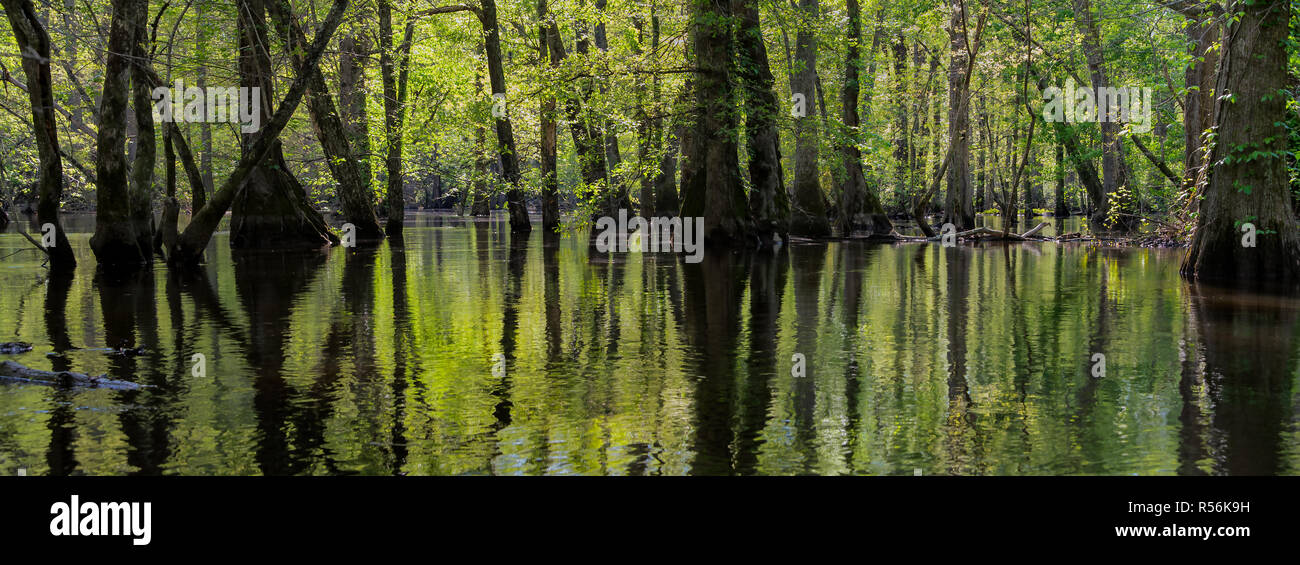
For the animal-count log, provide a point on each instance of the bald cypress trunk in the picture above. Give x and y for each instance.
(146, 146)
(711, 184)
(354, 188)
(808, 212)
(769, 205)
(859, 206)
(1248, 181)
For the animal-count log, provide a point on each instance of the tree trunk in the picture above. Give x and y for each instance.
(1248, 182)
(1062, 210)
(769, 205)
(505, 133)
(711, 186)
(394, 114)
(859, 206)
(146, 145)
(115, 242)
(808, 210)
(203, 36)
(618, 194)
(354, 186)
(591, 157)
(958, 207)
(1203, 35)
(354, 49)
(31, 37)
(547, 35)
(900, 142)
(190, 246)
(271, 211)
(1112, 169)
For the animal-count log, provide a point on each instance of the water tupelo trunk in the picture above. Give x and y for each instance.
(1245, 233)
(271, 211)
(115, 242)
(354, 188)
(31, 37)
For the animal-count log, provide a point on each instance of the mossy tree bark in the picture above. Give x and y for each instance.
(711, 184)
(769, 205)
(115, 242)
(34, 42)
(354, 188)
(808, 214)
(1248, 181)
(146, 145)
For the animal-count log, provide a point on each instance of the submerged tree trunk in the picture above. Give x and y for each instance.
(189, 248)
(1112, 165)
(958, 207)
(859, 206)
(808, 212)
(505, 133)
(1062, 210)
(619, 197)
(32, 39)
(394, 80)
(115, 242)
(1248, 183)
(146, 146)
(769, 205)
(548, 34)
(711, 186)
(354, 187)
(271, 211)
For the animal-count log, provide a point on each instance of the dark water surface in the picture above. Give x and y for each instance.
(470, 353)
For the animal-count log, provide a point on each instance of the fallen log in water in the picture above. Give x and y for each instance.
(12, 347)
(11, 371)
(994, 235)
